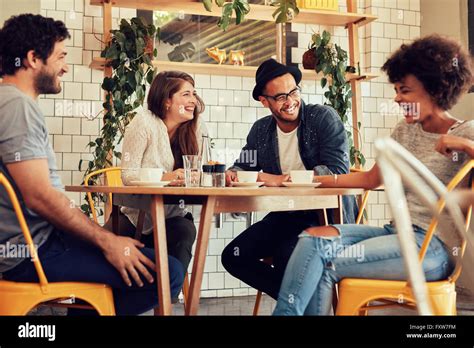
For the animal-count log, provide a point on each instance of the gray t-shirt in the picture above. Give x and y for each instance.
(422, 145)
(23, 137)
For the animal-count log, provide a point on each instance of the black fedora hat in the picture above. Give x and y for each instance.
(269, 70)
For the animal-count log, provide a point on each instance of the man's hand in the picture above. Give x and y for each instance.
(273, 180)
(230, 177)
(448, 143)
(123, 254)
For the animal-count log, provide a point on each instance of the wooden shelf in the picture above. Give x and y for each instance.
(226, 69)
(257, 12)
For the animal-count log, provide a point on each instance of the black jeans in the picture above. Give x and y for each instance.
(180, 236)
(275, 236)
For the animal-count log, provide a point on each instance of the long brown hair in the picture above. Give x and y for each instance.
(163, 87)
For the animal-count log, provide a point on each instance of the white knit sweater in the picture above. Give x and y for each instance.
(146, 144)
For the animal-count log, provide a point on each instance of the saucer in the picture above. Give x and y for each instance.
(247, 184)
(150, 183)
(296, 184)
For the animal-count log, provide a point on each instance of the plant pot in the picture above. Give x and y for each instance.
(150, 46)
(309, 59)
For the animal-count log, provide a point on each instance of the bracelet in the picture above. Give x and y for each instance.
(335, 178)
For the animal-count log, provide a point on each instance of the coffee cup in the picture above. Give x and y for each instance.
(302, 176)
(151, 174)
(247, 176)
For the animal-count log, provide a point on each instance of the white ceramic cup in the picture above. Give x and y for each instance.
(245, 176)
(302, 176)
(151, 174)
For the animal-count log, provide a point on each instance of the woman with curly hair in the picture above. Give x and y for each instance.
(429, 76)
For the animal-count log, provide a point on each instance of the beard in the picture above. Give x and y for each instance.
(45, 83)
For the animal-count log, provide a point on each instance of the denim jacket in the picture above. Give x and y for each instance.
(322, 143)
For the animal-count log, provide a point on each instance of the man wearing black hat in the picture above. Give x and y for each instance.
(295, 137)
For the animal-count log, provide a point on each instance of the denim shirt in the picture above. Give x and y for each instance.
(322, 143)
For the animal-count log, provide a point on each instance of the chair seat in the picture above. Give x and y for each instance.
(356, 293)
(18, 298)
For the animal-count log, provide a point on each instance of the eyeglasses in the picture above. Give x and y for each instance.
(283, 97)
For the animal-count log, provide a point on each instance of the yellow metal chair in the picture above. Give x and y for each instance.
(18, 298)
(114, 178)
(362, 204)
(355, 295)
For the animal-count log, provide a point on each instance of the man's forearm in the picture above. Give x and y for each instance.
(55, 207)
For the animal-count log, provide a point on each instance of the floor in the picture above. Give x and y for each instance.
(244, 306)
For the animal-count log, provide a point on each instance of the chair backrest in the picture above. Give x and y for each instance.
(113, 178)
(397, 163)
(458, 178)
(26, 231)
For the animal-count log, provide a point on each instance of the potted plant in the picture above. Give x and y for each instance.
(331, 60)
(309, 57)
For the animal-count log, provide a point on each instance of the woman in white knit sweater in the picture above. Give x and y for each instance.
(157, 138)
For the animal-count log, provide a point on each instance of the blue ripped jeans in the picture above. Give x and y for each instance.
(359, 252)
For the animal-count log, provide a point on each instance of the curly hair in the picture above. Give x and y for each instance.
(441, 64)
(27, 32)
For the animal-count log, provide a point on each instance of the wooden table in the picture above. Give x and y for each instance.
(213, 201)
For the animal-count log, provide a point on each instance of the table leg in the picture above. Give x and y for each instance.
(192, 306)
(161, 255)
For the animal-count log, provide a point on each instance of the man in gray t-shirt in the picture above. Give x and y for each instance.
(70, 246)
(23, 137)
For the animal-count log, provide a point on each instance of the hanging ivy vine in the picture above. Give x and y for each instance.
(130, 53)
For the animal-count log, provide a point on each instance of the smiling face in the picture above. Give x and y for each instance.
(416, 102)
(285, 112)
(47, 79)
(181, 106)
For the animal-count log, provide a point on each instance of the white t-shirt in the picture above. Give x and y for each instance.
(290, 158)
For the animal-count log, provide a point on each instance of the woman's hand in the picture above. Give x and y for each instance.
(177, 174)
(448, 143)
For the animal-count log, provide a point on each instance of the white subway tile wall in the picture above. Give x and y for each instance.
(230, 109)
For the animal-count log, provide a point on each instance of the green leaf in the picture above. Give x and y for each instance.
(326, 38)
(131, 79)
(108, 84)
(224, 21)
(149, 76)
(318, 40)
(207, 5)
(138, 77)
(323, 82)
(239, 16)
(111, 52)
(220, 3)
(284, 7)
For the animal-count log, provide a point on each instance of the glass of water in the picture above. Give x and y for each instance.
(192, 170)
